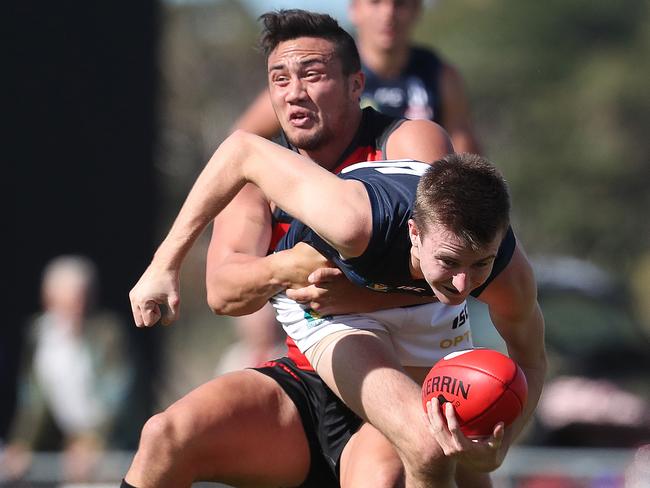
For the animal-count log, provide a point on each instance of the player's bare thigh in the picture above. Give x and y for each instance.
(369, 458)
(241, 429)
(361, 367)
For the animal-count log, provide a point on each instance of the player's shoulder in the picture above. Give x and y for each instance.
(424, 140)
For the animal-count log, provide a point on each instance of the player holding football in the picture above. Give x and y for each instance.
(447, 236)
(206, 445)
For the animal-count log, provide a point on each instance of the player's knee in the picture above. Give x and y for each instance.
(160, 437)
(388, 475)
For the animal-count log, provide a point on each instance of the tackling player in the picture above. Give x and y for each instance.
(314, 82)
(447, 237)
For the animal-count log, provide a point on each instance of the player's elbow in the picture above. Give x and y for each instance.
(352, 244)
(236, 143)
(217, 303)
(230, 306)
(353, 234)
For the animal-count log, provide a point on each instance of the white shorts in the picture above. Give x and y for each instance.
(421, 334)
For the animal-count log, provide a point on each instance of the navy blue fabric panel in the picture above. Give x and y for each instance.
(415, 93)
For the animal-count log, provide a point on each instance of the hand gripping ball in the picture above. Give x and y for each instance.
(484, 386)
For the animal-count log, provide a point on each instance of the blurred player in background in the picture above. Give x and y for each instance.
(401, 79)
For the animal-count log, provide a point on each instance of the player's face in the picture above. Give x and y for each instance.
(310, 95)
(449, 265)
(384, 24)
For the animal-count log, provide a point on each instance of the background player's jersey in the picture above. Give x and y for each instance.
(384, 265)
(414, 94)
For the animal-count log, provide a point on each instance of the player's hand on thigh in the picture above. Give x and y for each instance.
(154, 297)
(481, 454)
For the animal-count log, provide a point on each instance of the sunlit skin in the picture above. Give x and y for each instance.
(449, 265)
(316, 104)
(384, 24)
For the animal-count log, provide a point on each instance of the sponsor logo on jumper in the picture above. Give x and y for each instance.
(412, 288)
(378, 287)
(313, 318)
(447, 343)
(463, 316)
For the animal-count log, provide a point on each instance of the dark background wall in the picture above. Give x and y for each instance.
(78, 160)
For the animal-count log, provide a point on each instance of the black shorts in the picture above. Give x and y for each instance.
(327, 421)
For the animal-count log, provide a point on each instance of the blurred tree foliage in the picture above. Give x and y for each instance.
(210, 71)
(561, 99)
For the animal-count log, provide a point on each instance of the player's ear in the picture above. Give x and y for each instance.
(357, 83)
(414, 233)
(414, 236)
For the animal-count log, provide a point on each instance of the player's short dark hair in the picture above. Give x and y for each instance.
(467, 195)
(284, 25)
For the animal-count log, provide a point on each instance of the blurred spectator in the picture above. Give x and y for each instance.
(74, 377)
(260, 338)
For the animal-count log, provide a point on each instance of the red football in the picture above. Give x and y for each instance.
(484, 386)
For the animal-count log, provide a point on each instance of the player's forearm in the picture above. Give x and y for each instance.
(535, 381)
(515, 312)
(242, 284)
(216, 186)
(531, 357)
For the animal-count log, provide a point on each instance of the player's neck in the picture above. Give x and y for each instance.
(386, 63)
(329, 155)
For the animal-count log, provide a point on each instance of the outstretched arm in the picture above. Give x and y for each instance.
(515, 312)
(284, 177)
